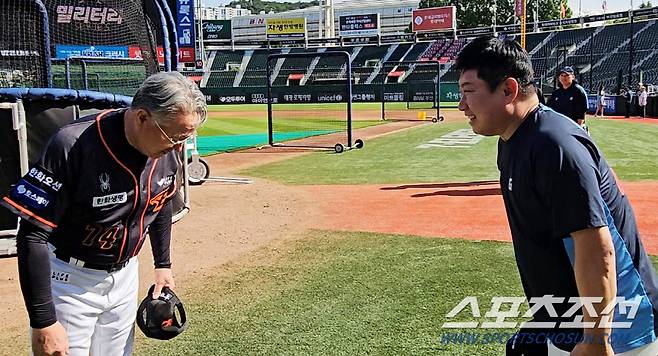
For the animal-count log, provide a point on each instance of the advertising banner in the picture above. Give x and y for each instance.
(406, 37)
(652, 11)
(285, 28)
(478, 31)
(66, 51)
(605, 17)
(216, 29)
(359, 40)
(518, 7)
(609, 104)
(184, 15)
(509, 28)
(359, 25)
(136, 52)
(434, 19)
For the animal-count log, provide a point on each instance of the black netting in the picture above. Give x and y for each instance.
(105, 45)
(23, 60)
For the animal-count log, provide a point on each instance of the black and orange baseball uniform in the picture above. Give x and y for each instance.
(86, 207)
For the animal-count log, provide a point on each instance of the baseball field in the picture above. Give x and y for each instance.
(364, 252)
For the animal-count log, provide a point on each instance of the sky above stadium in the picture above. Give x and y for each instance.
(586, 6)
(596, 6)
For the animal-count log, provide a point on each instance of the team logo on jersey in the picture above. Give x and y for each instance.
(159, 200)
(104, 179)
(165, 181)
(111, 199)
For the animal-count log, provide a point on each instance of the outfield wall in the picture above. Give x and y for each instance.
(416, 92)
(421, 92)
(616, 105)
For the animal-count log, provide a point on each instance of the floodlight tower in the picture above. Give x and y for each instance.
(326, 23)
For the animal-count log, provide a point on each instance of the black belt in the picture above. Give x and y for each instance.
(112, 267)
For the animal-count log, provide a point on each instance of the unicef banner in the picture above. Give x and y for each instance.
(331, 94)
(216, 29)
(66, 51)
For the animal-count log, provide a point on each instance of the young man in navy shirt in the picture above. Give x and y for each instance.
(573, 230)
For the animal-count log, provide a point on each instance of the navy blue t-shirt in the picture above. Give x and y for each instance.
(555, 181)
(571, 101)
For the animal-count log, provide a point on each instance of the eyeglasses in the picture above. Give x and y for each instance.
(171, 140)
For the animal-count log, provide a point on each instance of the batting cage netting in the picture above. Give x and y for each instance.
(61, 60)
(310, 100)
(103, 45)
(410, 90)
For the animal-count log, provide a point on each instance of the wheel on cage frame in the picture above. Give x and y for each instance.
(198, 171)
(339, 148)
(358, 143)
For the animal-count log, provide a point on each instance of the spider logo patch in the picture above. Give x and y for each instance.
(104, 179)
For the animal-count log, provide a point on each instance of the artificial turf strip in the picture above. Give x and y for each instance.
(250, 125)
(208, 145)
(223, 135)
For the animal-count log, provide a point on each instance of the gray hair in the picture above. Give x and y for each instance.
(169, 94)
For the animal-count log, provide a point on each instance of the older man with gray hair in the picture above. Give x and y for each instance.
(100, 187)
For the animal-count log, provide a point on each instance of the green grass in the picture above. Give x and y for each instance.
(233, 126)
(391, 159)
(344, 293)
(631, 148)
(362, 293)
(112, 77)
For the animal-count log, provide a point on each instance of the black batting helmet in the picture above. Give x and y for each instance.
(158, 319)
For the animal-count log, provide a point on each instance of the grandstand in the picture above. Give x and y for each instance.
(600, 56)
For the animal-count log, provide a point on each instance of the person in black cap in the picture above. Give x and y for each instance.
(569, 99)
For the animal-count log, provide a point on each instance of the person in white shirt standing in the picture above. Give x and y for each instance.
(642, 100)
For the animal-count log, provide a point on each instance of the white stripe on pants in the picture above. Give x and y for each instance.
(96, 308)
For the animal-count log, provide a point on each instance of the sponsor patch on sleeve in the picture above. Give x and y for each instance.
(42, 177)
(30, 196)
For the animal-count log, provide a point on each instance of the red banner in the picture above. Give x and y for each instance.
(185, 54)
(434, 18)
(136, 52)
(518, 8)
